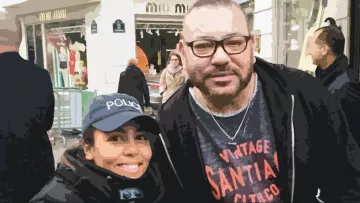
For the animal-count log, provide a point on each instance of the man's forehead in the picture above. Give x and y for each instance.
(214, 21)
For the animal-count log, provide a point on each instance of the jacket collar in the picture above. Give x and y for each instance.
(328, 75)
(95, 184)
(9, 56)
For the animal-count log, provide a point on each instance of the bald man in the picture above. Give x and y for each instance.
(245, 130)
(26, 114)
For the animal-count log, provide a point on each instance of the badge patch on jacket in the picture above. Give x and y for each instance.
(131, 193)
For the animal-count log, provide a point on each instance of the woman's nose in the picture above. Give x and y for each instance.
(131, 149)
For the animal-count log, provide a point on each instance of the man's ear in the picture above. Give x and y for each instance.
(88, 152)
(181, 46)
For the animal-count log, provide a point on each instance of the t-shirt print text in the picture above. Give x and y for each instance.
(253, 182)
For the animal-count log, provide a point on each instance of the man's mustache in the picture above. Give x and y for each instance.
(222, 71)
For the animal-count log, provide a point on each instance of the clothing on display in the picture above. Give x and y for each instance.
(69, 67)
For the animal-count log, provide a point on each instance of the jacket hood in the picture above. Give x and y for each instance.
(95, 183)
(133, 72)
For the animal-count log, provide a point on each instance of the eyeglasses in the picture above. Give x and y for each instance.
(207, 47)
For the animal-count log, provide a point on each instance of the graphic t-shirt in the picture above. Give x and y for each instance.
(242, 169)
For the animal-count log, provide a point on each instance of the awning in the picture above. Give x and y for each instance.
(34, 6)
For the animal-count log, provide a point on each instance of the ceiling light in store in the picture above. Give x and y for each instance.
(176, 33)
(158, 32)
(149, 32)
(141, 34)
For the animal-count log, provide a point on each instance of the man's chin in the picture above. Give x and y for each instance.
(222, 91)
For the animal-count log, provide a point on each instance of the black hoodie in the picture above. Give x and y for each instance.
(342, 84)
(81, 181)
(314, 147)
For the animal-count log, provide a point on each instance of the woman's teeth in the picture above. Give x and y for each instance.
(130, 168)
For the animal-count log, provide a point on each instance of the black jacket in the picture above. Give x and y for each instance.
(341, 82)
(311, 139)
(26, 114)
(132, 82)
(84, 182)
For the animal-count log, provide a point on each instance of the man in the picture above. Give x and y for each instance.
(133, 82)
(26, 114)
(326, 48)
(245, 130)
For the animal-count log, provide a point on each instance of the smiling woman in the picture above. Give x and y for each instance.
(118, 159)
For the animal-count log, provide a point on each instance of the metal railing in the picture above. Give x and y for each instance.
(71, 105)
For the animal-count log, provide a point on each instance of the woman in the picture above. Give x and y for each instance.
(117, 161)
(133, 82)
(172, 77)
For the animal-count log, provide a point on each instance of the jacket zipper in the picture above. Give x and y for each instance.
(169, 158)
(292, 149)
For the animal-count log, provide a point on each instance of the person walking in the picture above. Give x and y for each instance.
(326, 49)
(26, 114)
(172, 77)
(245, 130)
(133, 82)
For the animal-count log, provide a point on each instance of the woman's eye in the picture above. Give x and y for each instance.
(141, 137)
(116, 139)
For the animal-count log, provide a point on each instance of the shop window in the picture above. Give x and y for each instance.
(156, 40)
(66, 53)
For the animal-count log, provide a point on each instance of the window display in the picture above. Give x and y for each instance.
(67, 58)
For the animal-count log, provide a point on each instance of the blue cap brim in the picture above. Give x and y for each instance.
(115, 121)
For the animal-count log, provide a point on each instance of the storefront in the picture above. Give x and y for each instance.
(158, 27)
(88, 43)
(55, 39)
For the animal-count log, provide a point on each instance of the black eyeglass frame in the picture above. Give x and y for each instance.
(217, 44)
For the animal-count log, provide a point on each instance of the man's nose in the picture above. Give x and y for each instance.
(220, 57)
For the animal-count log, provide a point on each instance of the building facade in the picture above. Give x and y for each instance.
(87, 43)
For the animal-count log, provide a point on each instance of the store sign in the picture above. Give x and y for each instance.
(118, 26)
(181, 8)
(53, 15)
(94, 27)
(157, 8)
(163, 8)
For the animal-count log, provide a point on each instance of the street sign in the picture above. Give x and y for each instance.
(118, 26)
(94, 29)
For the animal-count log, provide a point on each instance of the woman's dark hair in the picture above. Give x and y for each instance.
(88, 138)
(332, 36)
(174, 54)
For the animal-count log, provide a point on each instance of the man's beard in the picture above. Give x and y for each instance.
(226, 96)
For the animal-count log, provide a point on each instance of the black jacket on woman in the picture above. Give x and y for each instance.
(81, 181)
(132, 82)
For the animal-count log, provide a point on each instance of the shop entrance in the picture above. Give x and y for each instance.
(156, 40)
(35, 48)
(66, 53)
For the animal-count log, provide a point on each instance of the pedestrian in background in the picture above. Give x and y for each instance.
(26, 114)
(121, 158)
(133, 82)
(172, 77)
(326, 48)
